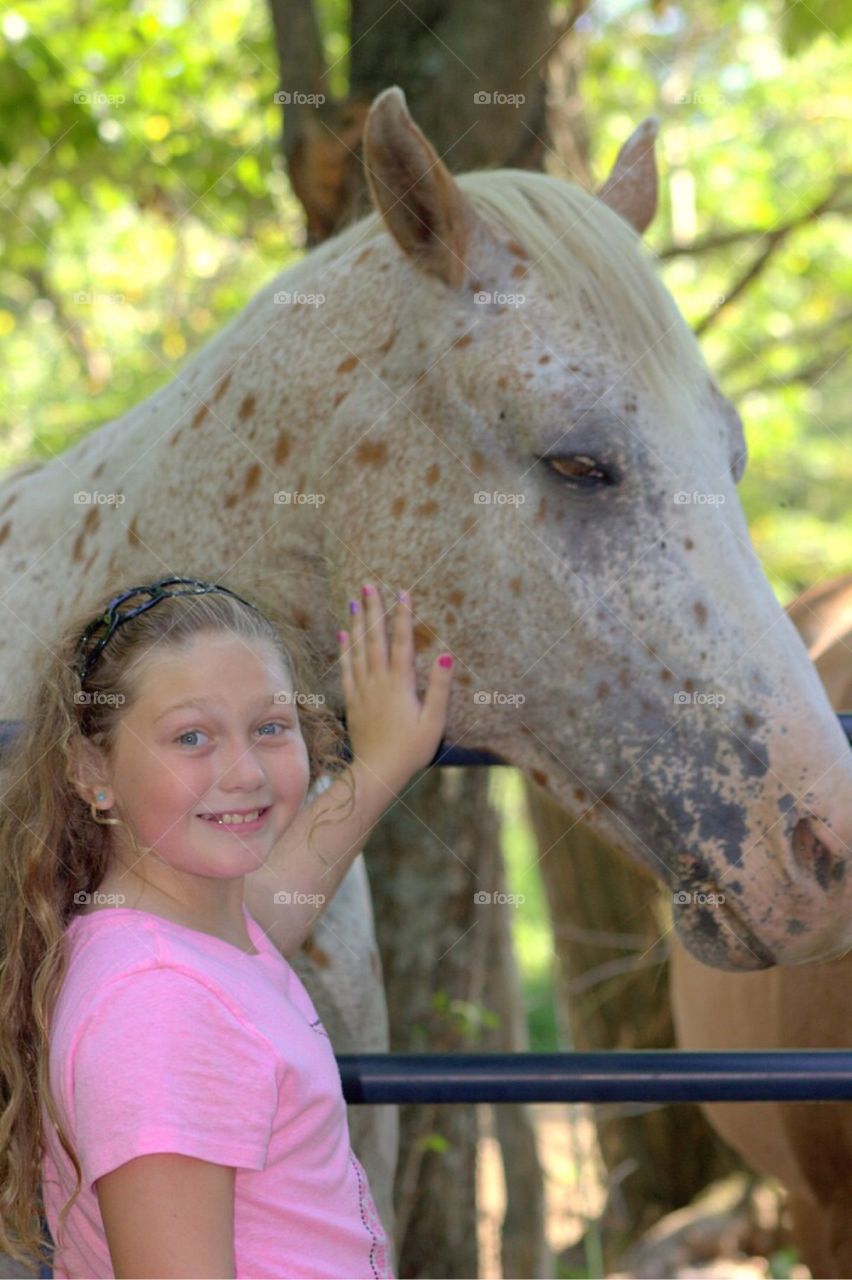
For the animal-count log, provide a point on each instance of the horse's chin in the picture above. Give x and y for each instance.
(717, 937)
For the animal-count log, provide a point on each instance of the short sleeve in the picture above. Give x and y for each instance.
(164, 1064)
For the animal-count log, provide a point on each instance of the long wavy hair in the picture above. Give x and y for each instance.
(52, 847)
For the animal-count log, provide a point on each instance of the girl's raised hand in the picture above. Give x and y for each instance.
(389, 729)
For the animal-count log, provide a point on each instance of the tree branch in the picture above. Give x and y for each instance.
(774, 240)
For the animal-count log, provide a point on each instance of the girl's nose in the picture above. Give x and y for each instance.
(242, 769)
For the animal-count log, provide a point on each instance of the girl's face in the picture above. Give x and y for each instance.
(239, 748)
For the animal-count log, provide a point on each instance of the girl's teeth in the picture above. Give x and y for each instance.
(234, 819)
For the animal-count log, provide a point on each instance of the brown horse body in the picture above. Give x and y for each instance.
(808, 1146)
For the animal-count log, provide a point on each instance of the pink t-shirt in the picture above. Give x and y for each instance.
(167, 1039)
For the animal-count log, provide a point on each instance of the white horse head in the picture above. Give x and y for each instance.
(482, 393)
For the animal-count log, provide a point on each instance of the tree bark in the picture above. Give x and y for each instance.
(612, 990)
(442, 53)
(422, 859)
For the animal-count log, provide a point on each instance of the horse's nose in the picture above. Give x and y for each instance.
(814, 856)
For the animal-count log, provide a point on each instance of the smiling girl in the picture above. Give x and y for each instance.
(171, 1101)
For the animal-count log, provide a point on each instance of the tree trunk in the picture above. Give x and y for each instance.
(609, 930)
(445, 55)
(422, 859)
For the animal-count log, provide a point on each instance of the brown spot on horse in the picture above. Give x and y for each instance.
(221, 388)
(433, 474)
(282, 449)
(347, 365)
(428, 508)
(247, 407)
(252, 477)
(373, 453)
(397, 507)
(464, 341)
(199, 415)
(315, 953)
(4, 532)
(90, 524)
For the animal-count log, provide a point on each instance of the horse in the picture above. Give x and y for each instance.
(483, 393)
(807, 1146)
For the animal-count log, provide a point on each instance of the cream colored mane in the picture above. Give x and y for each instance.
(594, 260)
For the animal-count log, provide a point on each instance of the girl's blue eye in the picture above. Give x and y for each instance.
(276, 724)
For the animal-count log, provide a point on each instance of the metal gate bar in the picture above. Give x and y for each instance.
(641, 1075)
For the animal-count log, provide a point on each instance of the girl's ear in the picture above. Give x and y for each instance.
(87, 772)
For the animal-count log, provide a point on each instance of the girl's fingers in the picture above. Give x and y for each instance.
(374, 628)
(344, 641)
(438, 690)
(402, 638)
(356, 641)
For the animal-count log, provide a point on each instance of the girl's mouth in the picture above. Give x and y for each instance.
(235, 822)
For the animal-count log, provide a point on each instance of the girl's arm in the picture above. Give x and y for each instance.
(391, 735)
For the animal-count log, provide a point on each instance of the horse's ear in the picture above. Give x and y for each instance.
(423, 207)
(631, 188)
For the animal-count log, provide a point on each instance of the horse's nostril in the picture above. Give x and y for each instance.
(814, 857)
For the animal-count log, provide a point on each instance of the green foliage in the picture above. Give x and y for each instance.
(753, 135)
(145, 202)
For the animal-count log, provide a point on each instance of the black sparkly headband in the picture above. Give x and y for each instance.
(107, 623)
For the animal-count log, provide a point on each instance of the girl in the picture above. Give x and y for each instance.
(170, 1100)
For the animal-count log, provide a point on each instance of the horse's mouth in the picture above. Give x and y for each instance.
(710, 928)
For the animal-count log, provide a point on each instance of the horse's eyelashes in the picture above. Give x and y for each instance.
(580, 470)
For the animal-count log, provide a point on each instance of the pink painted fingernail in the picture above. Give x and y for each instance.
(445, 660)
(367, 589)
(354, 606)
(341, 636)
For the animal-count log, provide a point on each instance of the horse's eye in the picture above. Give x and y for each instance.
(581, 471)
